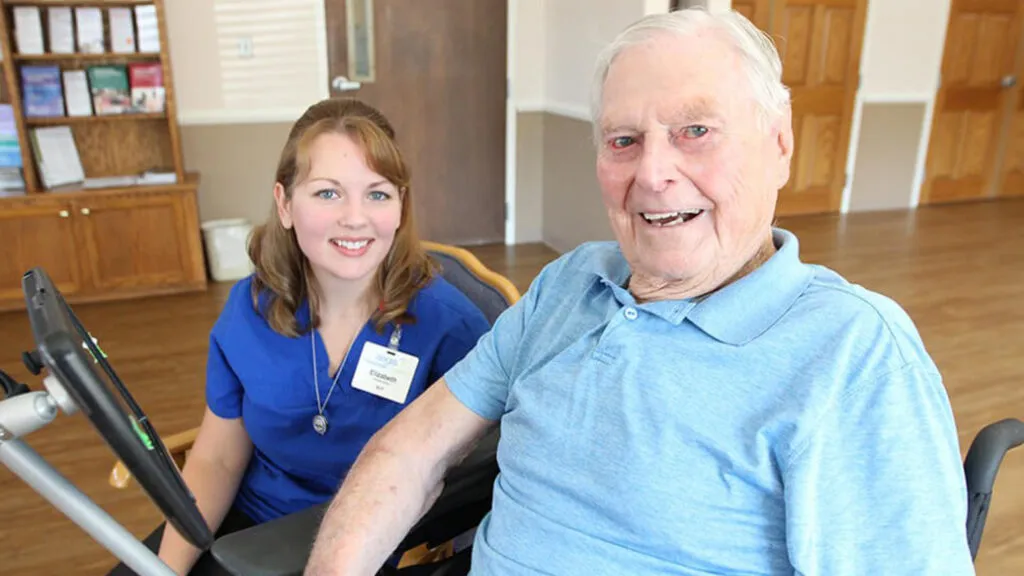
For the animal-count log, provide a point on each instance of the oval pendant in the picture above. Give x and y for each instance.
(320, 424)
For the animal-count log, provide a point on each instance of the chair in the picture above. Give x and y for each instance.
(492, 293)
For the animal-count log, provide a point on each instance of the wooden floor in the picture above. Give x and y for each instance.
(958, 270)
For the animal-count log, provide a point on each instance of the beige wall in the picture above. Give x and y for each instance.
(573, 210)
(887, 152)
(530, 158)
(236, 164)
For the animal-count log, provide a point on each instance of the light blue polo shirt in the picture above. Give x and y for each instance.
(789, 423)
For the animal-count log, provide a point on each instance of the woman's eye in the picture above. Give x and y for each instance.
(694, 131)
(326, 194)
(378, 195)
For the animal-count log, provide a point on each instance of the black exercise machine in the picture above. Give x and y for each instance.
(281, 547)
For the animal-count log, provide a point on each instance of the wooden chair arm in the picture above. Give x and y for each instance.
(502, 284)
(178, 445)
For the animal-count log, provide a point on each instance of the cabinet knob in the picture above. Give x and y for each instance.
(63, 213)
(85, 211)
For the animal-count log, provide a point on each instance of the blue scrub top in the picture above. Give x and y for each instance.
(266, 378)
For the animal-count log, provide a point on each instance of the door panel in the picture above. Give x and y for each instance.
(820, 44)
(127, 241)
(757, 11)
(38, 234)
(438, 73)
(982, 42)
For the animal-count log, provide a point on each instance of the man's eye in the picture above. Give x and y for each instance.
(621, 142)
(694, 131)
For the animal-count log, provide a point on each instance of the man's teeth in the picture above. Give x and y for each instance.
(670, 218)
(350, 245)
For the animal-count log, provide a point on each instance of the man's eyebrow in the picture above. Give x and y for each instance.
(609, 128)
(701, 109)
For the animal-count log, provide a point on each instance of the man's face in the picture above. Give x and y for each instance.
(688, 174)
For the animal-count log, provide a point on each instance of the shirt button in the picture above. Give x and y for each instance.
(630, 313)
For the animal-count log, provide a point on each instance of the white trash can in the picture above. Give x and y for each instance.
(226, 252)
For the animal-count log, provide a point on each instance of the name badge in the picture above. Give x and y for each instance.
(385, 372)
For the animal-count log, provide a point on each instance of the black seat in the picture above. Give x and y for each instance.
(980, 466)
(281, 547)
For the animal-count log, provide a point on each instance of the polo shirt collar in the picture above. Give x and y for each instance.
(747, 308)
(739, 312)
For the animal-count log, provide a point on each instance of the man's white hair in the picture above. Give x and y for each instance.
(755, 48)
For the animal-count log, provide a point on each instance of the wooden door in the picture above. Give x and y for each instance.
(820, 45)
(973, 104)
(136, 242)
(37, 233)
(757, 11)
(436, 68)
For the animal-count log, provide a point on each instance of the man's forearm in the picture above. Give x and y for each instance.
(382, 497)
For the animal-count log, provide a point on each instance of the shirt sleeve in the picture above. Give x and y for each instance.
(223, 388)
(481, 380)
(879, 488)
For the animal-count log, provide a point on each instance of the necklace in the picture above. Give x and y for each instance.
(320, 421)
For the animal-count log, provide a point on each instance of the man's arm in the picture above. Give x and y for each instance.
(878, 487)
(393, 483)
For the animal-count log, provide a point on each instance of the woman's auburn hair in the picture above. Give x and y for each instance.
(282, 272)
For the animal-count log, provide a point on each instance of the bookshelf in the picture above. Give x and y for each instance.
(107, 206)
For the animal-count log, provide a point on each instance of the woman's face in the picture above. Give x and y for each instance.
(344, 214)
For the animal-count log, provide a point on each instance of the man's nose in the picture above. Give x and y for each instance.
(658, 166)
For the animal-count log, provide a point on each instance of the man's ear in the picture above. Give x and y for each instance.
(783, 144)
(284, 207)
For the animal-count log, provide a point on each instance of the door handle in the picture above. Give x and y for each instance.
(63, 213)
(1008, 81)
(343, 84)
(85, 211)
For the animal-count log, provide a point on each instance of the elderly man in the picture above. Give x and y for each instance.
(691, 399)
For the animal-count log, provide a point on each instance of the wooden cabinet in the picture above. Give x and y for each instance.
(103, 245)
(38, 232)
(99, 243)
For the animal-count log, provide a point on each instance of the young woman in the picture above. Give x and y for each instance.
(342, 325)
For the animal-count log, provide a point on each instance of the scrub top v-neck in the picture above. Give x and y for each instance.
(267, 379)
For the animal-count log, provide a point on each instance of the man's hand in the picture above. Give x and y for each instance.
(393, 483)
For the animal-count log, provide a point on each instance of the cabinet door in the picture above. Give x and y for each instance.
(37, 234)
(135, 242)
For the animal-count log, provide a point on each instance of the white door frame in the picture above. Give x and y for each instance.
(510, 123)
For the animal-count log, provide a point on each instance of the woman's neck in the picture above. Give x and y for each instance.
(344, 300)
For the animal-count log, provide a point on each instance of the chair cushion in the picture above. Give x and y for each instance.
(486, 297)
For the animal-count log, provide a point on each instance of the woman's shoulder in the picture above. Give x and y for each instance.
(239, 308)
(440, 301)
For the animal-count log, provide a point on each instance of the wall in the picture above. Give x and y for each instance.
(234, 143)
(529, 61)
(886, 156)
(235, 112)
(571, 203)
(900, 68)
